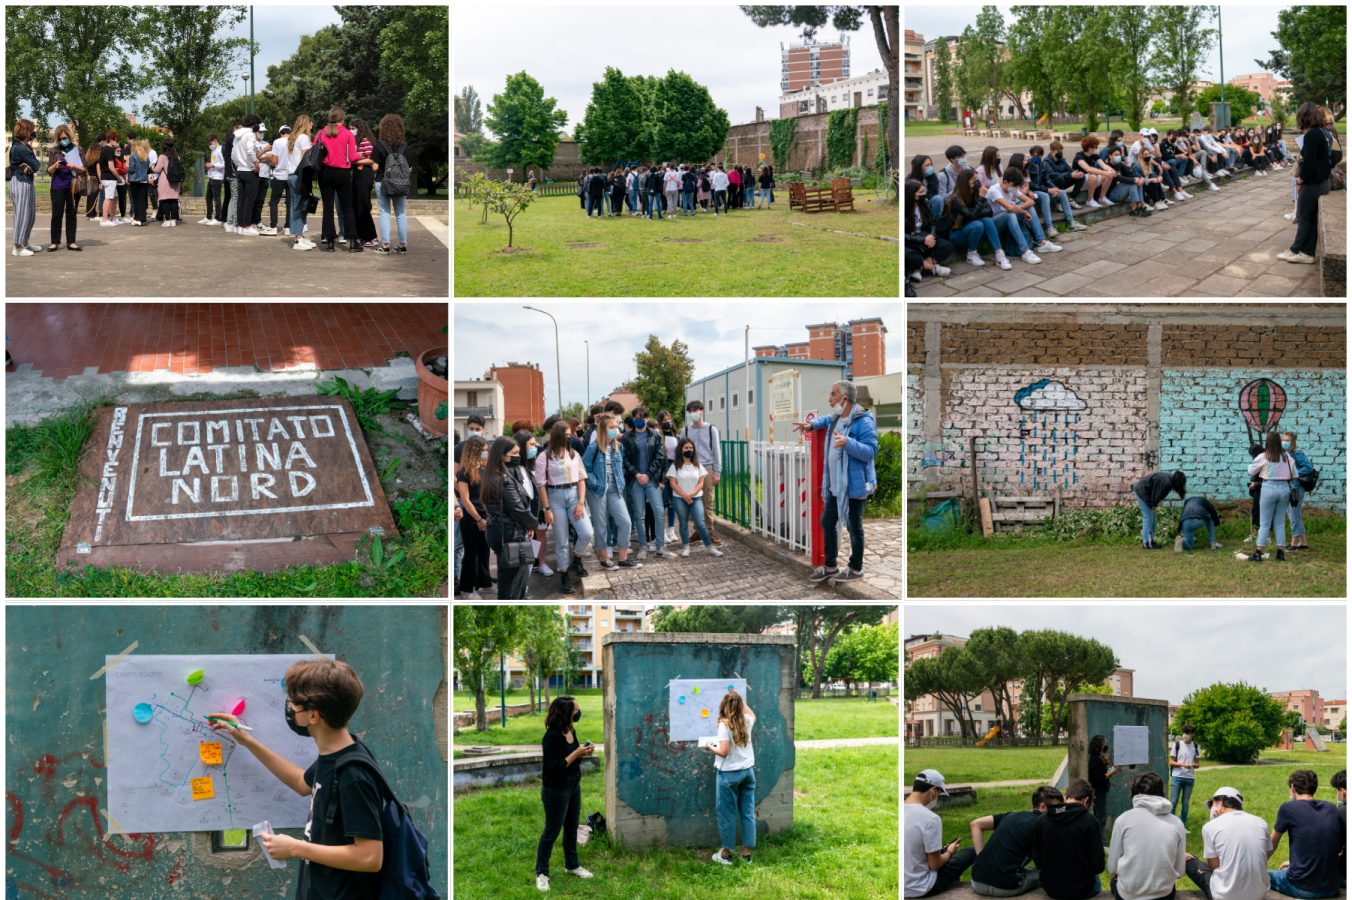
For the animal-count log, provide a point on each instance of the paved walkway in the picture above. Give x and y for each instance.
(823, 743)
(194, 260)
(1028, 782)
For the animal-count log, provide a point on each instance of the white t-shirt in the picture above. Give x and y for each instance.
(924, 834)
(1184, 752)
(994, 192)
(1240, 841)
(264, 169)
(738, 758)
(687, 476)
(719, 180)
(281, 149)
(217, 172)
(670, 444)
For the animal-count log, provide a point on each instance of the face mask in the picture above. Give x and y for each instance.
(476, 434)
(577, 714)
(640, 424)
(514, 460)
(483, 456)
(531, 451)
(65, 142)
(688, 454)
(933, 803)
(929, 170)
(302, 730)
(612, 433)
(1060, 155)
(697, 416)
(962, 163)
(1116, 159)
(1286, 445)
(838, 408)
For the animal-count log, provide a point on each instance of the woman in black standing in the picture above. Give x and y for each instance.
(363, 179)
(561, 788)
(767, 185)
(511, 520)
(1312, 180)
(469, 471)
(617, 193)
(1100, 770)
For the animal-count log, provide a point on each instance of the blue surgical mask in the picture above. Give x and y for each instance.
(1286, 445)
(612, 433)
(531, 451)
(640, 424)
(65, 142)
(929, 170)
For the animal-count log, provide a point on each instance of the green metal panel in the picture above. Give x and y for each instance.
(54, 723)
(732, 495)
(1094, 714)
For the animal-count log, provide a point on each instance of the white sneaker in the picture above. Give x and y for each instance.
(1106, 202)
(974, 259)
(664, 552)
(579, 872)
(1076, 226)
(166, 224)
(1048, 247)
(1285, 254)
(203, 221)
(1179, 196)
(21, 251)
(1211, 187)
(1301, 259)
(546, 571)
(128, 219)
(713, 551)
(473, 595)
(1093, 204)
(652, 546)
(542, 883)
(718, 857)
(1291, 216)
(1002, 261)
(1187, 196)
(685, 551)
(231, 229)
(302, 245)
(916, 277)
(1074, 205)
(643, 553)
(1030, 257)
(1160, 207)
(942, 271)
(249, 232)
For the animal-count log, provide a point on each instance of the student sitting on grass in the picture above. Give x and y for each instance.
(1148, 851)
(970, 218)
(999, 870)
(1098, 175)
(1044, 191)
(1318, 835)
(1234, 851)
(1068, 846)
(1023, 228)
(929, 865)
(1198, 513)
(1279, 472)
(1149, 492)
(925, 251)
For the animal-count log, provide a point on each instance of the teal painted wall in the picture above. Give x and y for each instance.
(54, 723)
(1100, 717)
(676, 780)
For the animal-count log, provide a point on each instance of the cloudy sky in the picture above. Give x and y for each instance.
(1247, 32)
(501, 332)
(1176, 648)
(718, 46)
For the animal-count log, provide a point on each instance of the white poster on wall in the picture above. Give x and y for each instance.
(692, 705)
(1131, 745)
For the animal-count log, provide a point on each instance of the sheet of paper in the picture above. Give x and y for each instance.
(1131, 745)
(692, 705)
(73, 157)
(159, 776)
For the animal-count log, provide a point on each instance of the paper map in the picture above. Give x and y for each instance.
(169, 771)
(1131, 745)
(692, 705)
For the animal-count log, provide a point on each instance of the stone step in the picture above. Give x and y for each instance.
(1332, 249)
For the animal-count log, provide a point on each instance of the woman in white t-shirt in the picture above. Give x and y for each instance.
(735, 792)
(687, 477)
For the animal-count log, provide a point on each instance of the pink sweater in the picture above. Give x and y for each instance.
(341, 151)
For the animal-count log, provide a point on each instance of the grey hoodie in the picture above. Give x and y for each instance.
(1147, 849)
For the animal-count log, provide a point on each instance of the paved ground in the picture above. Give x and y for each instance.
(800, 745)
(1217, 244)
(202, 261)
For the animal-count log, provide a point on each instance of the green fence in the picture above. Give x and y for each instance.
(732, 494)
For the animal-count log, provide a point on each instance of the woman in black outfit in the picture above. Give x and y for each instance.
(474, 526)
(561, 788)
(511, 519)
(925, 251)
(1100, 770)
(1312, 178)
(617, 193)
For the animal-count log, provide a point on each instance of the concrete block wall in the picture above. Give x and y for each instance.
(746, 142)
(56, 759)
(660, 792)
(1203, 433)
(1087, 398)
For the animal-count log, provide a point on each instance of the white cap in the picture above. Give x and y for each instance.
(1224, 792)
(933, 779)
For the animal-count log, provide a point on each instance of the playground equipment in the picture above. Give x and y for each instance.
(1314, 741)
(990, 734)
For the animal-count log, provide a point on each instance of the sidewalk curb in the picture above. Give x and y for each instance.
(743, 536)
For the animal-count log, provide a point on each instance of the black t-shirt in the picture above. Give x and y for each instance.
(358, 816)
(107, 164)
(1098, 778)
(1091, 158)
(383, 151)
(556, 773)
(1317, 835)
(462, 478)
(1007, 850)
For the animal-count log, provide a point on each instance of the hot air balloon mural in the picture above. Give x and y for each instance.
(1261, 402)
(1048, 442)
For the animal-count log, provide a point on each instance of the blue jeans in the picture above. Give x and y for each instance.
(1180, 791)
(1273, 501)
(632, 199)
(1147, 520)
(562, 501)
(683, 512)
(1280, 880)
(764, 198)
(1032, 224)
(1119, 192)
(1064, 199)
(1007, 222)
(401, 221)
(667, 494)
(1294, 513)
(655, 205)
(297, 223)
(1233, 155)
(748, 196)
(1192, 526)
(609, 514)
(1180, 165)
(652, 493)
(735, 796)
(687, 202)
(936, 205)
(969, 236)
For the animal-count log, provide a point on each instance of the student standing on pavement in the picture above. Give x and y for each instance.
(335, 178)
(138, 179)
(393, 173)
(606, 498)
(710, 454)
(363, 178)
(512, 519)
(645, 467)
(23, 164)
(63, 173)
(244, 156)
(686, 478)
(231, 182)
(1312, 182)
(562, 479)
(168, 167)
(298, 143)
(215, 169)
(280, 181)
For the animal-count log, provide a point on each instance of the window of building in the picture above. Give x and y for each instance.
(472, 398)
(750, 395)
(734, 399)
(720, 403)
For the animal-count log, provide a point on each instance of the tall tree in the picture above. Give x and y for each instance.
(886, 35)
(1242, 101)
(1031, 63)
(304, 82)
(1077, 58)
(999, 656)
(981, 53)
(614, 126)
(818, 627)
(526, 124)
(1131, 33)
(1183, 38)
(953, 678)
(413, 59)
(943, 80)
(663, 372)
(1071, 661)
(717, 619)
(543, 646)
(481, 634)
(1312, 39)
(686, 124)
(86, 82)
(864, 656)
(469, 114)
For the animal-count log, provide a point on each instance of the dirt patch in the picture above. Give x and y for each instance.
(581, 245)
(511, 250)
(671, 240)
(765, 239)
(420, 463)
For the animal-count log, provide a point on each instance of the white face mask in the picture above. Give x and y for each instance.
(933, 803)
(838, 408)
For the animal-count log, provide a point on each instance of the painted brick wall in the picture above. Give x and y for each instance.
(1203, 432)
(1044, 344)
(915, 427)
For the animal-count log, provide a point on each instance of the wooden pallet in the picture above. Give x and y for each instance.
(1013, 513)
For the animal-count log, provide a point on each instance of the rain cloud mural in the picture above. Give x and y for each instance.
(1049, 446)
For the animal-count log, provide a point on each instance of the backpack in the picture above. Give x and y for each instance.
(404, 874)
(1309, 482)
(175, 172)
(314, 157)
(397, 174)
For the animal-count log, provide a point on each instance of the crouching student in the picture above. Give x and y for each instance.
(1278, 470)
(929, 865)
(1044, 190)
(1068, 846)
(999, 868)
(1149, 492)
(1234, 851)
(342, 853)
(1022, 226)
(1198, 513)
(971, 218)
(1304, 475)
(925, 250)
(1148, 851)
(735, 785)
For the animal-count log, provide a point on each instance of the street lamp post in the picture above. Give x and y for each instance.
(588, 343)
(558, 368)
(251, 62)
(249, 104)
(1220, 44)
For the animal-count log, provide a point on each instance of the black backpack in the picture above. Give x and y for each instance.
(395, 180)
(175, 171)
(1309, 482)
(404, 873)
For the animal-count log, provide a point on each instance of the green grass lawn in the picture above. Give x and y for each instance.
(965, 765)
(41, 472)
(1040, 567)
(843, 842)
(762, 252)
(932, 129)
(813, 720)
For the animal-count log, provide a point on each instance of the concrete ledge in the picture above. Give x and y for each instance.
(506, 768)
(963, 891)
(1332, 250)
(855, 590)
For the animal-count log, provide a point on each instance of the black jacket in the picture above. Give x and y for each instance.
(1052, 166)
(596, 185)
(556, 773)
(512, 514)
(657, 456)
(957, 211)
(1314, 157)
(1200, 508)
(1153, 488)
(1068, 851)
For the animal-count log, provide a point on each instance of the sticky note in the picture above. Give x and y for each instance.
(730, 687)
(680, 699)
(142, 712)
(210, 751)
(202, 789)
(704, 712)
(238, 708)
(696, 689)
(195, 677)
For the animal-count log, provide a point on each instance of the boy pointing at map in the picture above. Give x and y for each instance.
(342, 853)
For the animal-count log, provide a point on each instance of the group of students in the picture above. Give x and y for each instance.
(1010, 206)
(346, 159)
(652, 191)
(1063, 837)
(1279, 477)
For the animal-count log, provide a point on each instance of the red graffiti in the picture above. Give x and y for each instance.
(179, 868)
(91, 805)
(46, 764)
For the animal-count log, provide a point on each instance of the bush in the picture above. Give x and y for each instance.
(1111, 523)
(1234, 722)
(888, 464)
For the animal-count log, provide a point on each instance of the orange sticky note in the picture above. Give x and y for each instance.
(202, 789)
(704, 712)
(210, 751)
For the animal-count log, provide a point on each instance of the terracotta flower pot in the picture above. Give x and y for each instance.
(433, 394)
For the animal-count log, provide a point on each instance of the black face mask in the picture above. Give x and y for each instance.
(577, 714)
(514, 461)
(302, 730)
(688, 454)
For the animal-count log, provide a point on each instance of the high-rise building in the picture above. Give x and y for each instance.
(861, 344)
(810, 63)
(523, 392)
